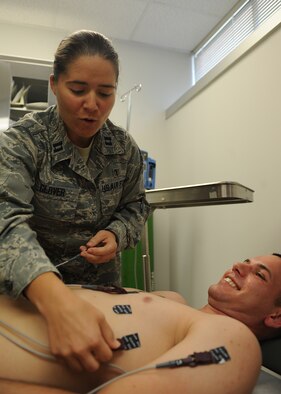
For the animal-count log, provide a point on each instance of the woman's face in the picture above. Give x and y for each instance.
(85, 96)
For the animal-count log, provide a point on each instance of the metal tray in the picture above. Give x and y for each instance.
(216, 193)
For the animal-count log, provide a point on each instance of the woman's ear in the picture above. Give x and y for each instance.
(53, 84)
(273, 319)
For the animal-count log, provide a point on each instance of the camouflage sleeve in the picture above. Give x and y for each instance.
(21, 257)
(133, 209)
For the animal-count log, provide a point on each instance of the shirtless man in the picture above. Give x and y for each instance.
(162, 330)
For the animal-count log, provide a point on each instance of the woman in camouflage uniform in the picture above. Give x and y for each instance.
(71, 182)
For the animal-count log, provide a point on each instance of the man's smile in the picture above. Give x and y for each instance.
(231, 283)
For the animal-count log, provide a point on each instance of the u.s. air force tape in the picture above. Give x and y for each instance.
(122, 309)
(129, 342)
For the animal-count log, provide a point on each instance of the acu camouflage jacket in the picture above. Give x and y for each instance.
(51, 202)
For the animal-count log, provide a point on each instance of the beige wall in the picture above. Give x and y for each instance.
(230, 131)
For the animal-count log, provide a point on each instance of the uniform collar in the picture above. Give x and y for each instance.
(106, 141)
(105, 144)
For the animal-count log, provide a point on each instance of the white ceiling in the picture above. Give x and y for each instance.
(170, 24)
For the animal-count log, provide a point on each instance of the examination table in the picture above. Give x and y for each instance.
(269, 381)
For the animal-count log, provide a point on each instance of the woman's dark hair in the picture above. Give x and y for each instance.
(84, 43)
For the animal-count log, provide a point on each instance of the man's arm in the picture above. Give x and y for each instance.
(236, 376)
(11, 387)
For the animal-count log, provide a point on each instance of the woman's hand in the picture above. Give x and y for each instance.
(78, 333)
(80, 336)
(101, 248)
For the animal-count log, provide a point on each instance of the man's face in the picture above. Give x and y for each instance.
(248, 290)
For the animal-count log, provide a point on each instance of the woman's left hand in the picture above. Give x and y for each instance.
(101, 248)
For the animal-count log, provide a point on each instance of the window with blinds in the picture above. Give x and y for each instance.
(245, 20)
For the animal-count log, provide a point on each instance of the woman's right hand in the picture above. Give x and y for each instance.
(79, 334)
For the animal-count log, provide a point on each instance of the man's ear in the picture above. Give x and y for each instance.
(274, 319)
(53, 84)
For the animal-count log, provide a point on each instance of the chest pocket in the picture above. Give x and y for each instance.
(55, 201)
(111, 190)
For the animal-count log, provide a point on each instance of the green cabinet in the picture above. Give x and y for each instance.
(132, 271)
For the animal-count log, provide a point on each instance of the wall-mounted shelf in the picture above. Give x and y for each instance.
(37, 92)
(29, 72)
(216, 193)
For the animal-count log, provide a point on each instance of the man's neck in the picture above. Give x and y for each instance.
(211, 310)
(256, 329)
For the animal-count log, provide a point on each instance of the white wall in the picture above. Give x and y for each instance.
(231, 131)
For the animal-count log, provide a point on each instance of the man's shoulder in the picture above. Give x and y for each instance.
(229, 324)
(229, 332)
